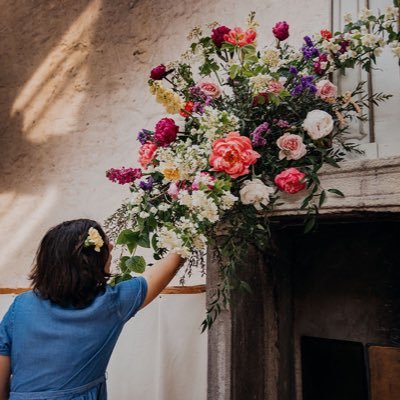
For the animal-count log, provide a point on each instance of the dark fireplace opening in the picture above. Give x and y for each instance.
(323, 319)
(333, 369)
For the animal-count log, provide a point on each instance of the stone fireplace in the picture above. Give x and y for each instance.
(323, 322)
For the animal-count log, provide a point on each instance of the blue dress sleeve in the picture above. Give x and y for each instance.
(131, 295)
(6, 327)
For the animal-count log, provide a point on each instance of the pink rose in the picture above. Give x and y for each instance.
(218, 35)
(281, 30)
(233, 154)
(158, 72)
(147, 153)
(326, 89)
(275, 86)
(240, 38)
(290, 180)
(166, 132)
(291, 146)
(210, 89)
(173, 190)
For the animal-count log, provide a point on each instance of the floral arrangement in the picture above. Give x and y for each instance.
(249, 124)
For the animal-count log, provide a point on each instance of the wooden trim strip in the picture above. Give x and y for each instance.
(168, 290)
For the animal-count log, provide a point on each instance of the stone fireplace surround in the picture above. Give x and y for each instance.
(372, 192)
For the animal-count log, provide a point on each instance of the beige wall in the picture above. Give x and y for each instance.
(73, 94)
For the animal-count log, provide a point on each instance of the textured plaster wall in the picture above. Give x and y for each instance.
(73, 94)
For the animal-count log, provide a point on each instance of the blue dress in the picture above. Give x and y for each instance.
(62, 353)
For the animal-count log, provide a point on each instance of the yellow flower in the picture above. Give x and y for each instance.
(94, 239)
(168, 98)
(171, 174)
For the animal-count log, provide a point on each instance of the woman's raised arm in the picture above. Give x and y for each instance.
(160, 274)
(5, 371)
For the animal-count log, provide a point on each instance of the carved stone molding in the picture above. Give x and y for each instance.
(368, 186)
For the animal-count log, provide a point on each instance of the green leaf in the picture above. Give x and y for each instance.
(127, 236)
(136, 264)
(122, 263)
(310, 223)
(144, 240)
(234, 71)
(245, 286)
(336, 191)
(322, 198)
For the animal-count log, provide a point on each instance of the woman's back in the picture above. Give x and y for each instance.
(58, 348)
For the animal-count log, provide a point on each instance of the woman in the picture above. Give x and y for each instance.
(56, 340)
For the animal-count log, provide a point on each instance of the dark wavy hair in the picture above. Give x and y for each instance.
(65, 271)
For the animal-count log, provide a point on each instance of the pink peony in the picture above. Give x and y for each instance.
(240, 38)
(233, 154)
(281, 30)
(218, 35)
(210, 89)
(291, 147)
(124, 175)
(290, 180)
(147, 153)
(326, 89)
(158, 72)
(166, 132)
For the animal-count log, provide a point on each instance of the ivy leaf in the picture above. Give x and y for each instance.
(127, 236)
(144, 240)
(122, 263)
(136, 264)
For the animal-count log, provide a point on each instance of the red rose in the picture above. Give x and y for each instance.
(218, 35)
(158, 72)
(187, 110)
(260, 98)
(281, 30)
(326, 34)
(166, 132)
(290, 180)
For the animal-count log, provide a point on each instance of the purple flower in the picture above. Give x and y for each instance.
(308, 41)
(143, 136)
(124, 175)
(256, 136)
(306, 84)
(282, 123)
(147, 184)
(308, 49)
(293, 70)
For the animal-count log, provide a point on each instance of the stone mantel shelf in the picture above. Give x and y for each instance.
(368, 186)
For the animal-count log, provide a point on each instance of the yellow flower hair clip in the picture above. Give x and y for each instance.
(94, 239)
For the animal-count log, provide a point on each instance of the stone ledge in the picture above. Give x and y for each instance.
(368, 186)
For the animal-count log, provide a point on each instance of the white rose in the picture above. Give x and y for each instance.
(318, 124)
(255, 192)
